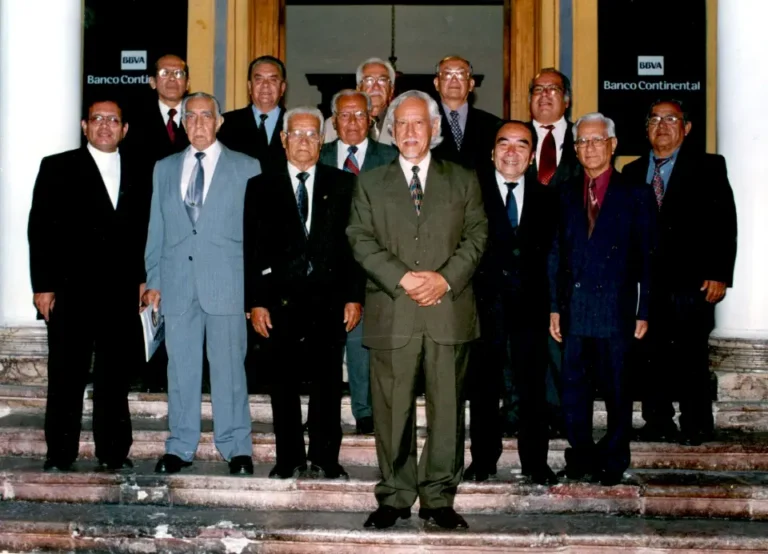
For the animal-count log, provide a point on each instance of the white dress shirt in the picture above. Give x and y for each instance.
(343, 152)
(407, 168)
(561, 126)
(517, 193)
(164, 111)
(109, 168)
(293, 171)
(209, 162)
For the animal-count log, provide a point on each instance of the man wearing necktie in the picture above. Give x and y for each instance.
(694, 200)
(418, 229)
(354, 152)
(599, 260)
(303, 291)
(194, 264)
(513, 303)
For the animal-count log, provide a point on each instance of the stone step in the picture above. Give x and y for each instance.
(27, 527)
(737, 415)
(22, 435)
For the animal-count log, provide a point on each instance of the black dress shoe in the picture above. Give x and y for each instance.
(55, 465)
(510, 430)
(364, 426)
(478, 472)
(287, 472)
(543, 476)
(170, 463)
(112, 465)
(572, 472)
(695, 438)
(609, 478)
(241, 465)
(328, 471)
(447, 518)
(658, 432)
(386, 516)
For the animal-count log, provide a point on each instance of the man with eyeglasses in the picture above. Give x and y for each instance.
(255, 130)
(85, 244)
(599, 260)
(694, 267)
(194, 264)
(468, 132)
(356, 153)
(304, 293)
(376, 78)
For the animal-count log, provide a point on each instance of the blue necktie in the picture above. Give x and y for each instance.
(512, 214)
(350, 164)
(193, 200)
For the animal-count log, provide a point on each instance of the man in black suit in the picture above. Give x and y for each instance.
(605, 239)
(692, 273)
(354, 152)
(303, 291)
(513, 305)
(468, 132)
(85, 250)
(255, 130)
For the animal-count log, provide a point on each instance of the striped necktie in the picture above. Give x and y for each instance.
(350, 164)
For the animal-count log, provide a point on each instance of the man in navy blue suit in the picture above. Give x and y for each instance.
(602, 251)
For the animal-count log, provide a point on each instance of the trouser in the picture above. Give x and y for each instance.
(359, 374)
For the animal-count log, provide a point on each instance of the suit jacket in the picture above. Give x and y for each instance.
(147, 137)
(376, 155)
(330, 133)
(477, 143)
(389, 239)
(569, 168)
(594, 281)
(698, 203)
(205, 260)
(515, 259)
(77, 239)
(239, 133)
(278, 251)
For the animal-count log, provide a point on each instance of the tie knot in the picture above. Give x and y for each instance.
(303, 176)
(199, 155)
(263, 117)
(511, 185)
(660, 161)
(591, 184)
(454, 114)
(171, 113)
(548, 127)
(352, 149)
(415, 169)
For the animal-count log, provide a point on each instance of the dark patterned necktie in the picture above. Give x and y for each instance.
(350, 164)
(458, 134)
(193, 200)
(171, 126)
(593, 207)
(512, 214)
(302, 198)
(263, 138)
(417, 193)
(657, 181)
(548, 160)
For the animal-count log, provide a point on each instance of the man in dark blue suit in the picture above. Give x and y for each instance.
(602, 251)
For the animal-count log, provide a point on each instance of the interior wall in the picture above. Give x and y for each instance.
(335, 39)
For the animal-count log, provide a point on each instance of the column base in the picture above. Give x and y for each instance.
(24, 355)
(741, 367)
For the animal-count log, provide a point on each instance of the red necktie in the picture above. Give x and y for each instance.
(593, 207)
(657, 181)
(171, 125)
(548, 159)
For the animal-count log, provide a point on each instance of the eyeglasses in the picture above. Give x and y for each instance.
(460, 75)
(191, 117)
(547, 89)
(270, 80)
(668, 119)
(595, 141)
(370, 81)
(164, 73)
(298, 134)
(111, 120)
(346, 116)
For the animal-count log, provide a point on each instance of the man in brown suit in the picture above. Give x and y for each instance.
(418, 229)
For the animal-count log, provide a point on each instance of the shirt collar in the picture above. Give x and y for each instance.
(671, 157)
(344, 147)
(102, 156)
(602, 179)
(407, 165)
(500, 180)
(294, 171)
(463, 110)
(212, 151)
(165, 107)
(273, 113)
(560, 125)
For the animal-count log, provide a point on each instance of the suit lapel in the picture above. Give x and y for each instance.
(216, 189)
(435, 190)
(371, 155)
(125, 181)
(320, 205)
(678, 177)
(398, 192)
(93, 177)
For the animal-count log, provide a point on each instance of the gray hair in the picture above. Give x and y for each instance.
(379, 61)
(216, 105)
(349, 92)
(304, 110)
(434, 113)
(610, 126)
(454, 57)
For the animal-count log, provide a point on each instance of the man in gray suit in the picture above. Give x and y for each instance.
(355, 153)
(194, 259)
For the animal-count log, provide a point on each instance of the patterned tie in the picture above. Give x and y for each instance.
(302, 199)
(458, 135)
(512, 214)
(657, 181)
(193, 200)
(593, 207)
(350, 164)
(171, 125)
(416, 191)
(262, 131)
(548, 159)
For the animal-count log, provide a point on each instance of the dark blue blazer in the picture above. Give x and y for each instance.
(594, 281)
(376, 155)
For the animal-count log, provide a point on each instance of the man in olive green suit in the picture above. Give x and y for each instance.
(418, 228)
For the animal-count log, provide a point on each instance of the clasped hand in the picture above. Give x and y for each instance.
(426, 288)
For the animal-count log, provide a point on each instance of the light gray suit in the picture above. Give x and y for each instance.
(198, 270)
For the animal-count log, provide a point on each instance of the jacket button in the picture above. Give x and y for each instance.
(194, 231)
(504, 272)
(577, 285)
(284, 302)
(417, 262)
(190, 258)
(415, 238)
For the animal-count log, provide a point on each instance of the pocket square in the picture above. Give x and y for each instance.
(267, 271)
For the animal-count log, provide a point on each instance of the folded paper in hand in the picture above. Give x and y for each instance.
(153, 324)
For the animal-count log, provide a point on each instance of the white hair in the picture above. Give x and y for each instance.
(216, 105)
(434, 113)
(349, 92)
(610, 126)
(369, 61)
(302, 110)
